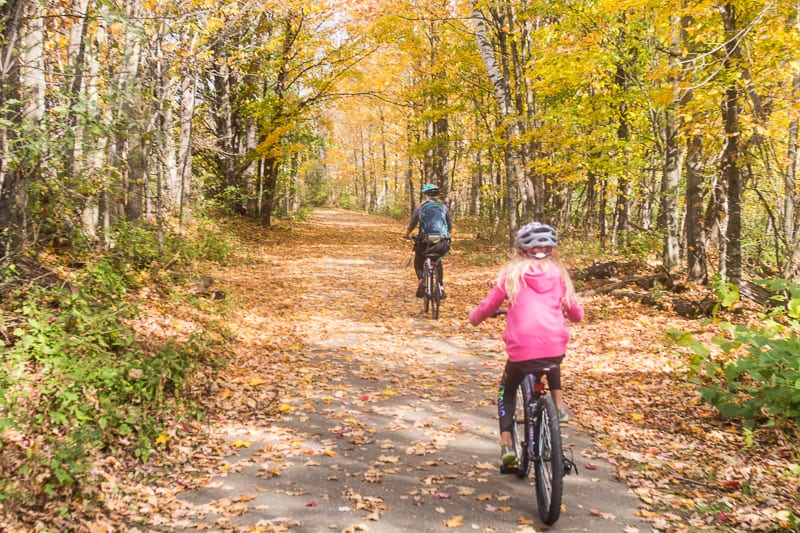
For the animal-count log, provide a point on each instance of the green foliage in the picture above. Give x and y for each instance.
(758, 375)
(318, 188)
(136, 245)
(727, 293)
(348, 201)
(643, 244)
(211, 245)
(396, 209)
(73, 380)
(230, 200)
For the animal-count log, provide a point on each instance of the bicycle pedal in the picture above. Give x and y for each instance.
(570, 467)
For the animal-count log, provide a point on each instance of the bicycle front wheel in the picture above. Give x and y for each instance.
(548, 461)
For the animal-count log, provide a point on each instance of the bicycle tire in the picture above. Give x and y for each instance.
(426, 298)
(436, 296)
(548, 461)
(523, 418)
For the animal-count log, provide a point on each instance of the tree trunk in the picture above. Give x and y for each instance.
(94, 218)
(673, 156)
(10, 216)
(185, 144)
(622, 210)
(730, 165)
(32, 67)
(695, 224)
(792, 266)
(791, 223)
(514, 170)
(32, 70)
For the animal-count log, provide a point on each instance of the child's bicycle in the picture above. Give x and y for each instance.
(539, 443)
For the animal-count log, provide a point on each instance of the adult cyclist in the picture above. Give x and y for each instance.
(435, 231)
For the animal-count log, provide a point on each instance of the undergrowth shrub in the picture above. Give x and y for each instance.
(757, 376)
(74, 380)
(138, 247)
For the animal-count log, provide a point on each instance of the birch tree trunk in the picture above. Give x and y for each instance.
(673, 154)
(696, 259)
(792, 266)
(30, 68)
(76, 59)
(168, 147)
(92, 216)
(791, 223)
(188, 85)
(515, 173)
(11, 13)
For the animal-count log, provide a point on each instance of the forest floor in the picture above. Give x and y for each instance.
(344, 407)
(340, 406)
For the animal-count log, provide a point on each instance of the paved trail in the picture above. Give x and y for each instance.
(390, 425)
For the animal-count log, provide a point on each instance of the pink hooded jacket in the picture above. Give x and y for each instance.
(535, 325)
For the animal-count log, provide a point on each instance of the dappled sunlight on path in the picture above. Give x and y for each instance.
(366, 414)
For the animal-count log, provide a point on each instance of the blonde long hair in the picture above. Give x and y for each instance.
(512, 275)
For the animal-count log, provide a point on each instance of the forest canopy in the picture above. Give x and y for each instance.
(671, 123)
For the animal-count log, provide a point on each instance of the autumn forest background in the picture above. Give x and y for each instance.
(660, 138)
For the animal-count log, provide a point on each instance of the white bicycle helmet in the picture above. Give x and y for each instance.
(536, 235)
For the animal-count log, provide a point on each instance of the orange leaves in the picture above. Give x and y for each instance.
(331, 342)
(456, 521)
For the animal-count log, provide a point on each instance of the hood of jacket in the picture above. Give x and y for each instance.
(543, 281)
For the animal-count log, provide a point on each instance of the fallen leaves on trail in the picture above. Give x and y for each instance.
(321, 324)
(456, 521)
(631, 389)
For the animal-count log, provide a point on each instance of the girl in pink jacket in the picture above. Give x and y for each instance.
(541, 298)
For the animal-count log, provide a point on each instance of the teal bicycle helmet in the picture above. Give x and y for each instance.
(430, 189)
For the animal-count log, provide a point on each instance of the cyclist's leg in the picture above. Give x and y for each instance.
(419, 261)
(554, 384)
(442, 249)
(507, 401)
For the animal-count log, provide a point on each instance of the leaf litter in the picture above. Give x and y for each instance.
(307, 330)
(305, 341)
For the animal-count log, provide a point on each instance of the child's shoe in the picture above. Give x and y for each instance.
(563, 416)
(509, 456)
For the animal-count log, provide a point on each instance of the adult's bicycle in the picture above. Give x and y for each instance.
(432, 278)
(536, 437)
(432, 298)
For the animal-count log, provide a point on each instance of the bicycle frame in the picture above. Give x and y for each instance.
(432, 298)
(540, 444)
(541, 447)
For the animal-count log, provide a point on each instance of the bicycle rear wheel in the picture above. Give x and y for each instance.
(548, 461)
(436, 295)
(426, 298)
